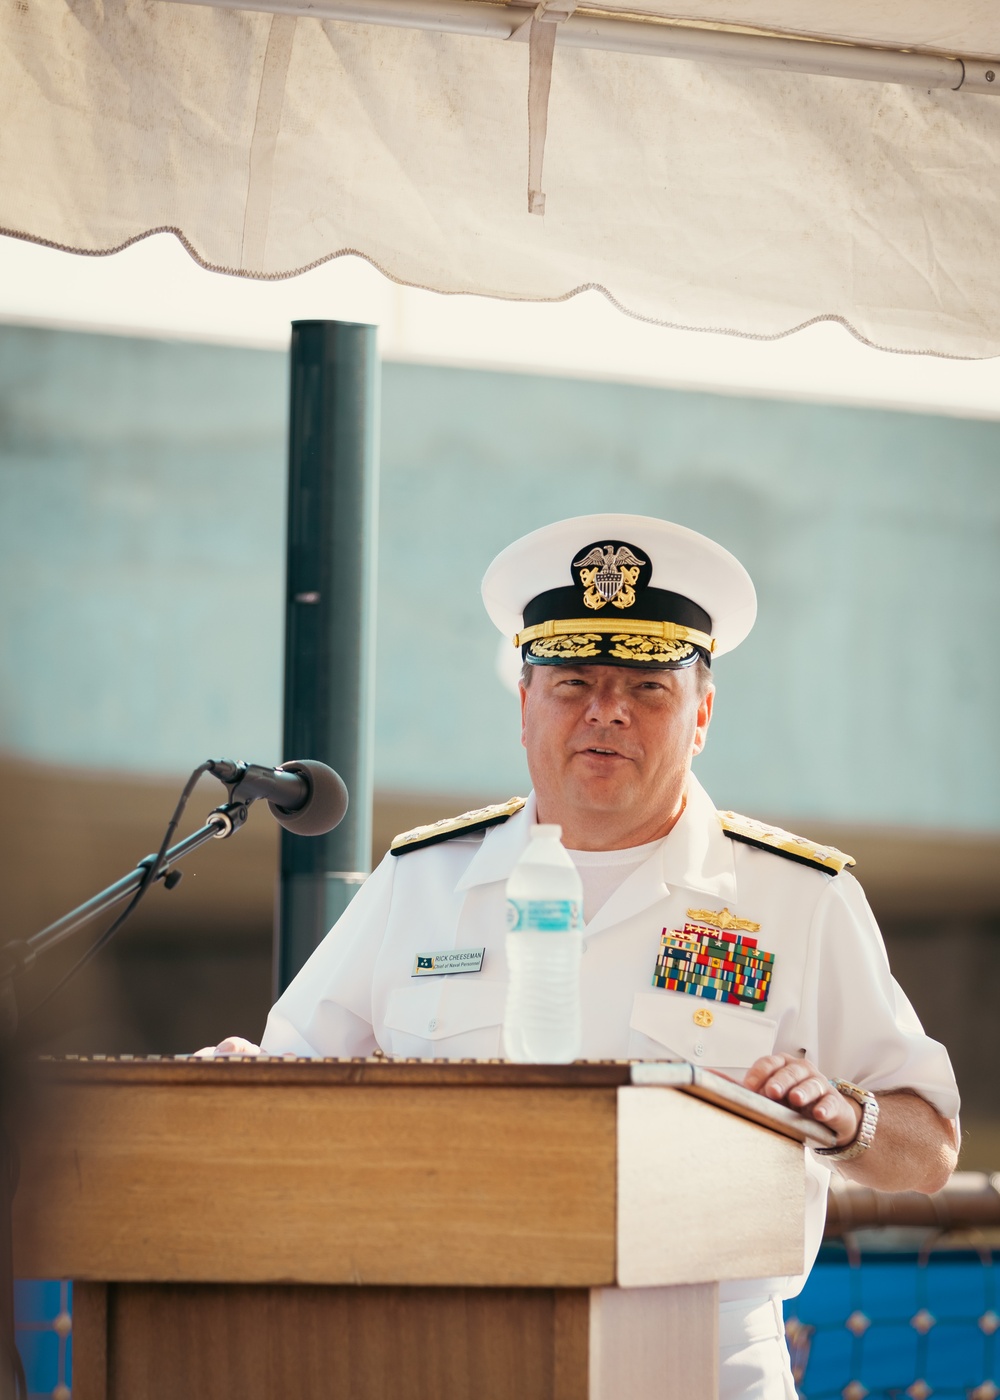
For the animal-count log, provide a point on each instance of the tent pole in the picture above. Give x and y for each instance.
(329, 618)
(656, 36)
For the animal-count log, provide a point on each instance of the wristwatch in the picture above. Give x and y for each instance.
(862, 1139)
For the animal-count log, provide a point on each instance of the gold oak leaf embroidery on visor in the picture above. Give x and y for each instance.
(652, 649)
(577, 644)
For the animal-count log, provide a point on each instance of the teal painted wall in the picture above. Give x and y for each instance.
(141, 519)
(141, 535)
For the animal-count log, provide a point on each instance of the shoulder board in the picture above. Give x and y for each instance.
(478, 820)
(784, 843)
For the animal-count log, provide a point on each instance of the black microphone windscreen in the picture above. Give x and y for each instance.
(325, 806)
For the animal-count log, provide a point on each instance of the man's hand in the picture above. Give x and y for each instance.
(232, 1045)
(914, 1149)
(800, 1085)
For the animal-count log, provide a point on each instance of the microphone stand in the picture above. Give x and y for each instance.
(220, 824)
(16, 957)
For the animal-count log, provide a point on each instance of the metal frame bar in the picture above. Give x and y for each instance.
(329, 617)
(654, 37)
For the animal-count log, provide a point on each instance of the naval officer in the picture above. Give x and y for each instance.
(619, 620)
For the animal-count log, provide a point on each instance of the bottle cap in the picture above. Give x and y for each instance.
(541, 829)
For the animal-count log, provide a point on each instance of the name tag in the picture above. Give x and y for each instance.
(445, 964)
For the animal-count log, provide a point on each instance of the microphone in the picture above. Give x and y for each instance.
(304, 796)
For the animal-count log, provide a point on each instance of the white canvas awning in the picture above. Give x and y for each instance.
(739, 189)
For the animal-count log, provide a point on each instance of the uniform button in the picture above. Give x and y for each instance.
(699, 1049)
(703, 1017)
(432, 1025)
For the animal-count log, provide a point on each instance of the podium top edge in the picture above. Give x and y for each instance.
(263, 1071)
(234, 1071)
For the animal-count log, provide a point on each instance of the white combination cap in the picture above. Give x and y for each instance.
(619, 590)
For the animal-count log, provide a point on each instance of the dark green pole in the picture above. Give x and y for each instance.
(329, 618)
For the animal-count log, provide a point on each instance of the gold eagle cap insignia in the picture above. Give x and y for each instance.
(609, 575)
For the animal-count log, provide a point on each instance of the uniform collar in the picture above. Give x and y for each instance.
(696, 855)
(500, 848)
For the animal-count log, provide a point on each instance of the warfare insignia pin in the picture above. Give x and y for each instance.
(723, 920)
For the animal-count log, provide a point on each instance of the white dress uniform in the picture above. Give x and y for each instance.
(832, 998)
(623, 590)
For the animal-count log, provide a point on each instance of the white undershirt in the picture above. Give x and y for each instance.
(602, 872)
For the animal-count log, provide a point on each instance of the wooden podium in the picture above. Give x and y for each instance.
(380, 1230)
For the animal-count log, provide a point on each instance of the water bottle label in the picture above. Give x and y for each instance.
(550, 915)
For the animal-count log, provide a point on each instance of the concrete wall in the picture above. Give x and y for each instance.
(141, 538)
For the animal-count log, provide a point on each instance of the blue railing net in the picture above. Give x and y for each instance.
(885, 1326)
(43, 1311)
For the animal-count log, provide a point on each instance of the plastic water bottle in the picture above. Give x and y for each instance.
(544, 915)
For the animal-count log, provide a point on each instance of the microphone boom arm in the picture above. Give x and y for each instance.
(304, 796)
(220, 824)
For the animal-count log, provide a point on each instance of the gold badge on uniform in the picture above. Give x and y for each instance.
(722, 920)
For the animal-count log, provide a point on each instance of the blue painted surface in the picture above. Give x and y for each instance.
(43, 1312)
(954, 1298)
(141, 539)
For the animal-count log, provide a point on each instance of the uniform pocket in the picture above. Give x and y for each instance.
(667, 1025)
(446, 1019)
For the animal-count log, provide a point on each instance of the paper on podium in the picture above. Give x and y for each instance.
(725, 1093)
